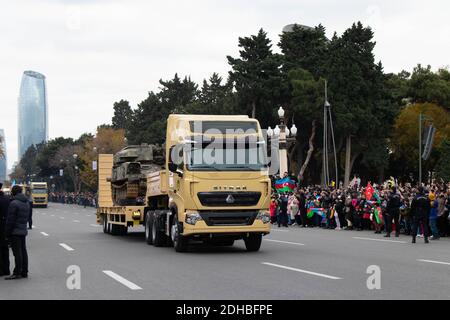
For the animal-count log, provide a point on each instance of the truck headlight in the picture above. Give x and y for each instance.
(192, 218)
(136, 215)
(264, 216)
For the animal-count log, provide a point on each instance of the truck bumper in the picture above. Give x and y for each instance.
(201, 228)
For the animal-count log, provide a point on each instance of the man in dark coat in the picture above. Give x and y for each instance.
(420, 210)
(393, 213)
(16, 232)
(4, 250)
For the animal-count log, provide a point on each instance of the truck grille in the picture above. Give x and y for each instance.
(39, 200)
(229, 218)
(229, 199)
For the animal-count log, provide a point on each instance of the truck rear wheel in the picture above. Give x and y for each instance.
(158, 236)
(253, 242)
(148, 229)
(180, 243)
(105, 224)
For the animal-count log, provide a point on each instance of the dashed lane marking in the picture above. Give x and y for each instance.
(76, 220)
(122, 280)
(44, 234)
(433, 261)
(286, 242)
(95, 225)
(301, 271)
(379, 240)
(65, 246)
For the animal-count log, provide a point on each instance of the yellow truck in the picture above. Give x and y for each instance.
(39, 194)
(214, 186)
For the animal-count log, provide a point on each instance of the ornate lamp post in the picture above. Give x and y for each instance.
(283, 133)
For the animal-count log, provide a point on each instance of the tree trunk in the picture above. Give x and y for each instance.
(253, 109)
(348, 153)
(310, 151)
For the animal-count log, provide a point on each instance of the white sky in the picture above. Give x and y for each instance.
(96, 52)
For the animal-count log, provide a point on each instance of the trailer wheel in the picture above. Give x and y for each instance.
(180, 243)
(253, 242)
(148, 229)
(157, 235)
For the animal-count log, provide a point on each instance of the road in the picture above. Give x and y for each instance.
(293, 263)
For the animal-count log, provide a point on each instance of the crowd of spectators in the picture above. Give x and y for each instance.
(383, 208)
(86, 199)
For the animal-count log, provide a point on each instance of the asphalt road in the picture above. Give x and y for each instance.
(293, 263)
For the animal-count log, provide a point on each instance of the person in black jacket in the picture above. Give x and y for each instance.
(420, 210)
(393, 212)
(4, 250)
(16, 232)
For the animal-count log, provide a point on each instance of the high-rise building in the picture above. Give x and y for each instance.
(3, 159)
(33, 117)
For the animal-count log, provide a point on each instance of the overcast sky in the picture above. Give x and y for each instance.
(96, 52)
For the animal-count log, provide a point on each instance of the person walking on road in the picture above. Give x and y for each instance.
(4, 250)
(420, 209)
(16, 232)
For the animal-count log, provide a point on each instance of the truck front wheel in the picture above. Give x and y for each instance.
(148, 229)
(253, 242)
(158, 236)
(180, 243)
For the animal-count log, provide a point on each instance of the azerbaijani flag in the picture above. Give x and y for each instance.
(319, 211)
(377, 214)
(285, 185)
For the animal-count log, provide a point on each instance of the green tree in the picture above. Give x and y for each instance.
(256, 77)
(443, 165)
(47, 153)
(428, 86)
(404, 142)
(122, 115)
(359, 96)
(304, 48)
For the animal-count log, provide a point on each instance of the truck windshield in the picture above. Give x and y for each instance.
(223, 157)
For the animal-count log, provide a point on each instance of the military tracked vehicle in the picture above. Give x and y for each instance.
(130, 168)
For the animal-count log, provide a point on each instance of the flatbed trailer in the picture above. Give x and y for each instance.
(181, 205)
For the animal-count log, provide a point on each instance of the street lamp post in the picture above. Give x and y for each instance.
(282, 132)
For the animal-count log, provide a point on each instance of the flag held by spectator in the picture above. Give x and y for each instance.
(369, 191)
(285, 185)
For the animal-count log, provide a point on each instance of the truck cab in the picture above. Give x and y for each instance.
(39, 194)
(217, 186)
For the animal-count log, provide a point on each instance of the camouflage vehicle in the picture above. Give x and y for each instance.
(130, 168)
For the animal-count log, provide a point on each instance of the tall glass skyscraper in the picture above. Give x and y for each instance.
(33, 117)
(3, 159)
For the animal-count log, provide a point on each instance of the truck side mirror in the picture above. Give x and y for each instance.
(173, 167)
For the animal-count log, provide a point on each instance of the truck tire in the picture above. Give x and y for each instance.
(114, 229)
(148, 229)
(158, 237)
(253, 242)
(105, 224)
(180, 243)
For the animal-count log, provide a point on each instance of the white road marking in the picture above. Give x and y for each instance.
(95, 225)
(65, 246)
(122, 280)
(432, 261)
(61, 217)
(287, 242)
(44, 234)
(76, 220)
(380, 240)
(52, 215)
(278, 230)
(301, 270)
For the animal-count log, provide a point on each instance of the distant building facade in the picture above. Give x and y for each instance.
(33, 112)
(3, 159)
